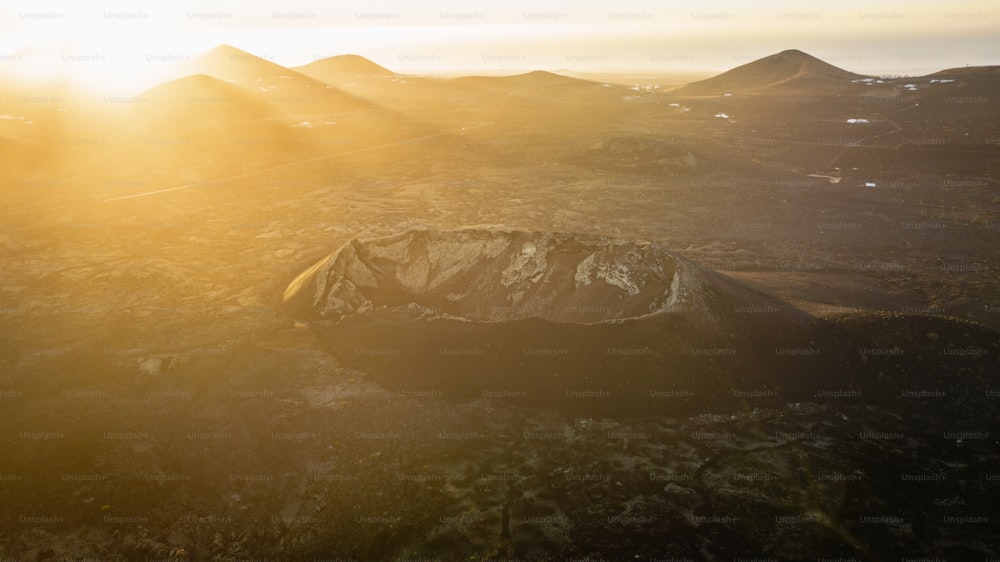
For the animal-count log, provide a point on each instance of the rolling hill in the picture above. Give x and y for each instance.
(534, 82)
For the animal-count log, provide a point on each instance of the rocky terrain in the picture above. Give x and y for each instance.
(492, 275)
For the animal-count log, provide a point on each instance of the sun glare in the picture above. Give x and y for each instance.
(106, 65)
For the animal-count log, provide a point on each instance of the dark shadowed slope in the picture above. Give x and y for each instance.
(198, 99)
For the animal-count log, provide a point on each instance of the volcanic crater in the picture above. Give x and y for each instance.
(493, 275)
(551, 319)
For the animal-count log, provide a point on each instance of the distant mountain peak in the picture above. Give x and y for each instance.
(793, 53)
(788, 69)
(535, 80)
(226, 52)
(221, 47)
(344, 68)
(805, 60)
(226, 49)
(233, 64)
(351, 57)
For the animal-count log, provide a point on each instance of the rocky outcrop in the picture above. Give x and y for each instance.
(495, 275)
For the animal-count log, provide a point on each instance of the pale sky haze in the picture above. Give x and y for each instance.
(128, 45)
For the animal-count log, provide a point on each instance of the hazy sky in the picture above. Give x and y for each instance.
(124, 43)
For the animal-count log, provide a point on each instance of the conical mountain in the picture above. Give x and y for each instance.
(787, 70)
(226, 62)
(344, 68)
